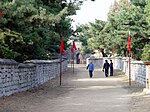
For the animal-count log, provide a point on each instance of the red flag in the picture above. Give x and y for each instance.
(74, 46)
(71, 49)
(1, 14)
(128, 43)
(61, 45)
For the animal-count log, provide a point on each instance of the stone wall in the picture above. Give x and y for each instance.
(138, 69)
(17, 77)
(98, 62)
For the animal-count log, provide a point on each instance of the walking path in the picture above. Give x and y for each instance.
(78, 93)
(97, 94)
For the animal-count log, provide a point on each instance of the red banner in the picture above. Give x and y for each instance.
(61, 45)
(128, 43)
(73, 47)
(1, 14)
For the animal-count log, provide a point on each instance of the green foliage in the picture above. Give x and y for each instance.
(140, 3)
(147, 10)
(146, 52)
(39, 23)
(90, 35)
(31, 29)
(130, 18)
(112, 35)
(10, 43)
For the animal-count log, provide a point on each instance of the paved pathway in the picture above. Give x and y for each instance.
(78, 93)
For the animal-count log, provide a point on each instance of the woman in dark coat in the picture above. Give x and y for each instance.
(111, 68)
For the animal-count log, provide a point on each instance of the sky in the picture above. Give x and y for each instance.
(92, 10)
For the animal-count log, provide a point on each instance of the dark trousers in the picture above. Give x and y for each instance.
(91, 74)
(111, 72)
(106, 72)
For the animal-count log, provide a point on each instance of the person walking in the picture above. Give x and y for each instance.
(106, 68)
(90, 67)
(111, 68)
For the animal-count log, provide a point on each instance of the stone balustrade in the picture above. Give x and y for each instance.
(17, 77)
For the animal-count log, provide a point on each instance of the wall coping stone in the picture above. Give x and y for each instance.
(28, 65)
(42, 61)
(94, 58)
(137, 62)
(113, 57)
(8, 62)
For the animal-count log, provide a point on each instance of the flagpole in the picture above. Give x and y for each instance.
(73, 47)
(61, 50)
(73, 61)
(129, 70)
(129, 64)
(60, 68)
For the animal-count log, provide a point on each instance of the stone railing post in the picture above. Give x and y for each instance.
(147, 89)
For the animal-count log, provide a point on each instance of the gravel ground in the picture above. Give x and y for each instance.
(22, 102)
(139, 102)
